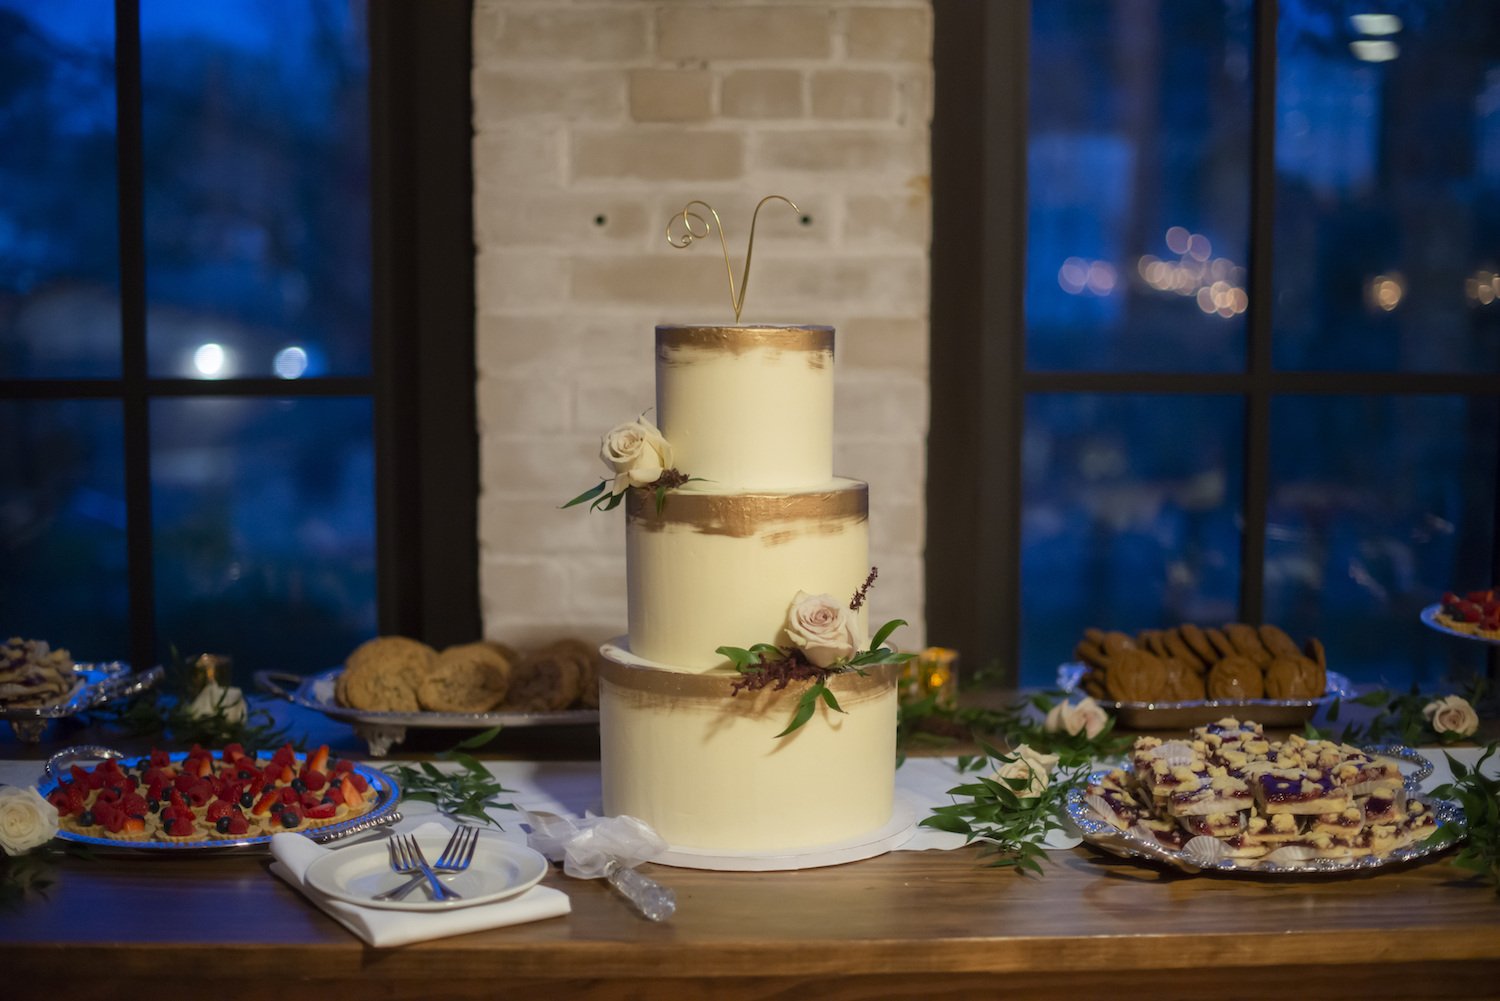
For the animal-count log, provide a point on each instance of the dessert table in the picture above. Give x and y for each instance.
(907, 924)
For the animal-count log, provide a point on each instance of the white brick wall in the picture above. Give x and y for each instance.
(596, 122)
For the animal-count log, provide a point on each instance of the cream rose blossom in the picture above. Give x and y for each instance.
(1037, 768)
(26, 820)
(208, 701)
(822, 626)
(1087, 717)
(1451, 715)
(636, 453)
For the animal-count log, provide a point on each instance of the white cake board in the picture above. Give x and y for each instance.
(897, 831)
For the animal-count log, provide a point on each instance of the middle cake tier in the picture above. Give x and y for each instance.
(717, 568)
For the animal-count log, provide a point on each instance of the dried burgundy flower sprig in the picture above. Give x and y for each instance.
(864, 589)
(790, 666)
(670, 478)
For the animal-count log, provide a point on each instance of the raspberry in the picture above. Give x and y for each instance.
(160, 759)
(359, 782)
(59, 798)
(181, 827)
(219, 808)
(336, 793)
(288, 795)
(314, 779)
(232, 752)
(132, 803)
(311, 799)
(238, 825)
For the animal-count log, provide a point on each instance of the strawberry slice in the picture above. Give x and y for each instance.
(134, 824)
(205, 767)
(80, 775)
(310, 799)
(287, 774)
(322, 811)
(319, 760)
(233, 752)
(263, 805)
(352, 794)
(178, 803)
(359, 782)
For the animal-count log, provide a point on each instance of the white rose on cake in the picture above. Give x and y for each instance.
(26, 820)
(1037, 768)
(637, 454)
(822, 627)
(1087, 717)
(1451, 715)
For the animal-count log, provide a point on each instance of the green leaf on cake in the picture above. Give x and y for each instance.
(885, 631)
(588, 494)
(805, 706)
(741, 659)
(827, 694)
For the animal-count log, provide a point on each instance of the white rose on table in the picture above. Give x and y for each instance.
(822, 627)
(26, 820)
(636, 453)
(208, 702)
(1451, 715)
(1087, 717)
(1029, 765)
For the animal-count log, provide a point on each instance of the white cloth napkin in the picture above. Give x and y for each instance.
(382, 928)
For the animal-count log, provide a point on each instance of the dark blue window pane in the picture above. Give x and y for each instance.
(1387, 238)
(1378, 505)
(264, 520)
(59, 242)
(1138, 185)
(62, 526)
(257, 187)
(1130, 518)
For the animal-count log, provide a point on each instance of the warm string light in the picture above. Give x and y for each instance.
(1483, 288)
(1215, 283)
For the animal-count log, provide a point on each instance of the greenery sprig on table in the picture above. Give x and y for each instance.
(764, 664)
(469, 792)
(1480, 798)
(165, 709)
(1401, 718)
(31, 874)
(993, 810)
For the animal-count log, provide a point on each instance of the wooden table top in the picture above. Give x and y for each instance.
(908, 924)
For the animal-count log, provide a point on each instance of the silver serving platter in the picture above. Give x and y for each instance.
(1182, 715)
(1097, 831)
(97, 684)
(1429, 619)
(387, 797)
(382, 730)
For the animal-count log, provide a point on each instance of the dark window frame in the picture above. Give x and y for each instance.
(422, 338)
(978, 376)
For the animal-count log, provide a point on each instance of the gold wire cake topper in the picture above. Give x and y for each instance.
(688, 236)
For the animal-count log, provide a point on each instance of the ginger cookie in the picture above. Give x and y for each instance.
(1294, 678)
(1198, 643)
(1247, 643)
(1278, 642)
(1090, 654)
(1177, 649)
(1137, 676)
(505, 650)
(471, 678)
(1315, 651)
(1094, 636)
(1183, 683)
(544, 682)
(586, 655)
(1221, 643)
(408, 659)
(1115, 643)
(1094, 688)
(380, 687)
(1150, 641)
(1235, 677)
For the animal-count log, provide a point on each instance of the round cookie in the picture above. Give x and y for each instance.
(1183, 683)
(381, 688)
(1151, 641)
(471, 678)
(1315, 651)
(1278, 642)
(1177, 649)
(1198, 643)
(1235, 677)
(1115, 643)
(1137, 676)
(412, 659)
(1090, 654)
(510, 653)
(1294, 678)
(1221, 643)
(586, 656)
(544, 681)
(1247, 643)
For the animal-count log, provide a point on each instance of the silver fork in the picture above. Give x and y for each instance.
(457, 855)
(406, 858)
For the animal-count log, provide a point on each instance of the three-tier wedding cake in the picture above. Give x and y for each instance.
(761, 545)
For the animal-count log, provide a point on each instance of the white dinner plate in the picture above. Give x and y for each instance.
(355, 874)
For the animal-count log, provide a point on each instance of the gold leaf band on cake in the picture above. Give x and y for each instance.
(671, 338)
(745, 515)
(671, 691)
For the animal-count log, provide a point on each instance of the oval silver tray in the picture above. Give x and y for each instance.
(1183, 715)
(1429, 619)
(382, 730)
(387, 797)
(1097, 831)
(97, 685)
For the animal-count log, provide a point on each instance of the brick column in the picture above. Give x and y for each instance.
(596, 122)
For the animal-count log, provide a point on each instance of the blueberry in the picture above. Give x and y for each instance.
(153, 805)
(299, 785)
(278, 806)
(290, 819)
(139, 816)
(222, 826)
(247, 800)
(244, 774)
(86, 818)
(327, 799)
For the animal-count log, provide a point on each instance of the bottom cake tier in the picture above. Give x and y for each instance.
(706, 769)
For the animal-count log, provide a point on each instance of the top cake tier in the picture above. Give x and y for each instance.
(748, 407)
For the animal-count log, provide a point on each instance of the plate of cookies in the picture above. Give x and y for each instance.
(391, 683)
(1189, 675)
